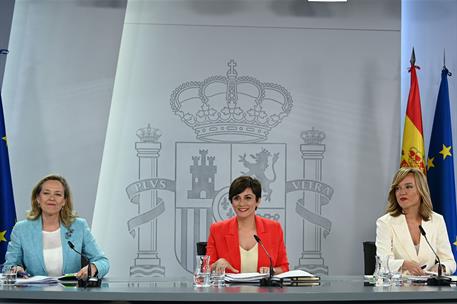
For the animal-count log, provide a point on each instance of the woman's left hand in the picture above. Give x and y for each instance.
(82, 274)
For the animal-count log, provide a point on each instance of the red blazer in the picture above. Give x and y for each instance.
(223, 242)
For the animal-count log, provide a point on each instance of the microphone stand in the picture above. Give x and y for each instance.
(89, 281)
(268, 282)
(439, 280)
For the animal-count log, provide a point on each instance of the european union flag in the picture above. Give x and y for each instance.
(7, 208)
(440, 173)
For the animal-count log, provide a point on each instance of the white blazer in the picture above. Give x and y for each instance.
(393, 239)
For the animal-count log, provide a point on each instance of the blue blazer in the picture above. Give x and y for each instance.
(26, 248)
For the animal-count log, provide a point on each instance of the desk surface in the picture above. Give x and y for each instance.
(332, 288)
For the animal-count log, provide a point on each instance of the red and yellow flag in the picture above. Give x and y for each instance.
(412, 151)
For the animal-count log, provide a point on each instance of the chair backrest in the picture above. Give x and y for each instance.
(369, 257)
(201, 248)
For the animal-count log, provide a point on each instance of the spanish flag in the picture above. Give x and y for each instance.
(412, 151)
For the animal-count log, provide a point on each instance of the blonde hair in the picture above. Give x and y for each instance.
(67, 215)
(425, 208)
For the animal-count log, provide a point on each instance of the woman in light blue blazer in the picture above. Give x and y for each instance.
(39, 245)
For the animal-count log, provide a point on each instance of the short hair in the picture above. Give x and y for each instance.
(425, 208)
(67, 215)
(241, 183)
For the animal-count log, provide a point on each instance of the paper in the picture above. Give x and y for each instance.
(253, 277)
(37, 280)
(246, 277)
(68, 277)
(294, 274)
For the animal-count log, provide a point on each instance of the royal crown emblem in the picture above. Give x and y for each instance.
(231, 108)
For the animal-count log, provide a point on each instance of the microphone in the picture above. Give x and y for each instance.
(267, 281)
(440, 280)
(90, 281)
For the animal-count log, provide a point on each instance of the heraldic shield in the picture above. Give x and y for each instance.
(204, 172)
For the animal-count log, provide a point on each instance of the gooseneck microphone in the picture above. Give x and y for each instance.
(440, 280)
(89, 281)
(267, 281)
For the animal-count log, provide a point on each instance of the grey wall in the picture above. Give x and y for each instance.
(57, 93)
(6, 17)
(340, 65)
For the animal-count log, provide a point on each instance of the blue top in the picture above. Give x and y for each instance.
(26, 248)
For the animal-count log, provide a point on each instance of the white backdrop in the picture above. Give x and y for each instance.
(57, 92)
(328, 67)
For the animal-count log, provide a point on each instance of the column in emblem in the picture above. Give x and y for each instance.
(147, 261)
(312, 154)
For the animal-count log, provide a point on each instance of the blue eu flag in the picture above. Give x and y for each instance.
(7, 208)
(440, 173)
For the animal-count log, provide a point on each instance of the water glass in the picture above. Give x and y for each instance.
(386, 274)
(218, 277)
(202, 279)
(396, 278)
(9, 277)
(202, 271)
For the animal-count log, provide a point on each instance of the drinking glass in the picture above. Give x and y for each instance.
(9, 276)
(218, 277)
(386, 274)
(397, 278)
(202, 271)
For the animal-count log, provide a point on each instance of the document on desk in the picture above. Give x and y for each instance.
(246, 277)
(298, 273)
(37, 280)
(254, 277)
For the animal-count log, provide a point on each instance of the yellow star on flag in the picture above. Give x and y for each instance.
(2, 236)
(430, 163)
(5, 139)
(455, 243)
(446, 151)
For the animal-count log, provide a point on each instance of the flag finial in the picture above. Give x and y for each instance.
(444, 58)
(413, 58)
(3, 51)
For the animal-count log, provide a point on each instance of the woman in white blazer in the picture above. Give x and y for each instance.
(397, 232)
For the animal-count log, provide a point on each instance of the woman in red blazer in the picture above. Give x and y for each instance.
(231, 243)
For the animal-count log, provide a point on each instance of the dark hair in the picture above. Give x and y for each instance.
(242, 183)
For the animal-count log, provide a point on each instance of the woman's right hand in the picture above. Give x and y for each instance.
(20, 272)
(413, 268)
(223, 264)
